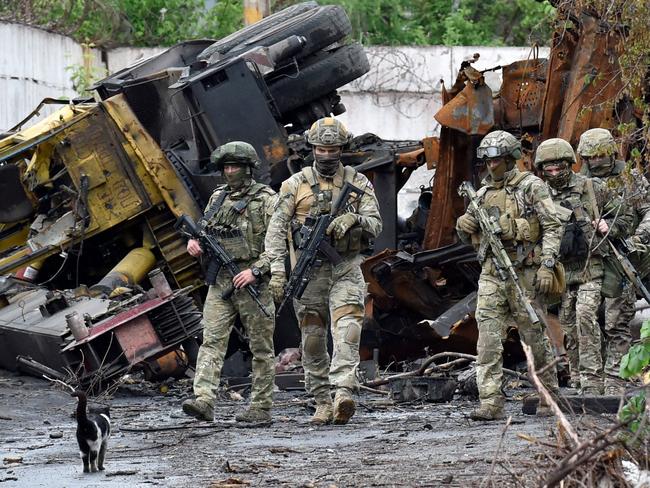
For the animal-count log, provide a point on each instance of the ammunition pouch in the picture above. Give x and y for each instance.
(235, 243)
(613, 278)
(354, 240)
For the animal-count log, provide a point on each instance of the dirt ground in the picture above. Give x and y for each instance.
(155, 444)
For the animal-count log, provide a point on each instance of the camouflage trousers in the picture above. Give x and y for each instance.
(579, 320)
(335, 294)
(496, 307)
(219, 316)
(617, 338)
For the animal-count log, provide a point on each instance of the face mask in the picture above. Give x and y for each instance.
(497, 173)
(600, 166)
(558, 180)
(327, 165)
(238, 179)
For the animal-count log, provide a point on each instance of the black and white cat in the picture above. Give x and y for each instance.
(92, 434)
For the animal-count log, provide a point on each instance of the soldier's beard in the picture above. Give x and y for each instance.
(327, 166)
(237, 180)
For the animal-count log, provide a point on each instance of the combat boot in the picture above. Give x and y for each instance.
(343, 406)
(199, 409)
(254, 415)
(324, 414)
(488, 411)
(543, 409)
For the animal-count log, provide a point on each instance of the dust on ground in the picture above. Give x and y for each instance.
(155, 444)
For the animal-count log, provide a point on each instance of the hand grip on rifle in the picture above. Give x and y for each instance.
(490, 232)
(314, 243)
(188, 227)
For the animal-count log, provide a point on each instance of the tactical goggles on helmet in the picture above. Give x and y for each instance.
(491, 152)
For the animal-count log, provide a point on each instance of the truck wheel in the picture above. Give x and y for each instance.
(327, 71)
(320, 27)
(230, 41)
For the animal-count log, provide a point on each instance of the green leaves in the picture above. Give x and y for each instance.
(110, 23)
(459, 23)
(634, 410)
(638, 357)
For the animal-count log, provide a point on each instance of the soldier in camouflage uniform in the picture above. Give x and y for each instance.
(574, 197)
(597, 150)
(531, 235)
(237, 215)
(334, 292)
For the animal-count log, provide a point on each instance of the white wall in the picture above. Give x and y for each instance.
(396, 99)
(400, 94)
(32, 64)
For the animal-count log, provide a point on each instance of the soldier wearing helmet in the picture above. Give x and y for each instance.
(520, 202)
(579, 202)
(237, 215)
(598, 152)
(335, 292)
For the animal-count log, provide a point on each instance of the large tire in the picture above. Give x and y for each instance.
(230, 41)
(324, 73)
(320, 27)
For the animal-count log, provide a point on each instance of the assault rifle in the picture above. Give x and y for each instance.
(490, 236)
(313, 242)
(219, 258)
(621, 249)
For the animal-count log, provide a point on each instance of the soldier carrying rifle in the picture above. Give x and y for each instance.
(236, 217)
(335, 291)
(523, 236)
(584, 244)
(598, 153)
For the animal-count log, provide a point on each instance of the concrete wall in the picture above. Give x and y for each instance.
(396, 99)
(400, 94)
(32, 67)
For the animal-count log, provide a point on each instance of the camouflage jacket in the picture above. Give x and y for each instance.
(297, 201)
(575, 208)
(240, 223)
(630, 184)
(526, 214)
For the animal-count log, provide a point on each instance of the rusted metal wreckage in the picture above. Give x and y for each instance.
(423, 303)
(101, 182)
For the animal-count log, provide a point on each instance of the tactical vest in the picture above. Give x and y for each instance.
(315, 198)
(578, 229)
(518, 219)
(239, 224)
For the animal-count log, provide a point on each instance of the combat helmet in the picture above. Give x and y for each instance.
(555, 149)
(328, 131)
(597, 142)
(235, 152)
(497, 144)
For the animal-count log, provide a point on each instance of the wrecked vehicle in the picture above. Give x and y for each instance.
(91, 193)
(422, 302)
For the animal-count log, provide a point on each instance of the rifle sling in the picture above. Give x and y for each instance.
(214, 208)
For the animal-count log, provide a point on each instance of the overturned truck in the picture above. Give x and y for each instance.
(90, 194)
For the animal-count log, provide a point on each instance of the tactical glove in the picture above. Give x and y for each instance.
(467, 224)
(544, 279)
(276, 286)
(341, 224)
(639, 246)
